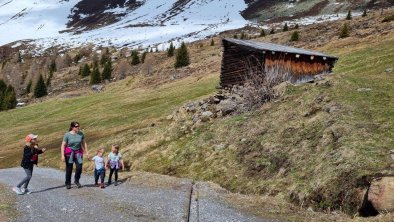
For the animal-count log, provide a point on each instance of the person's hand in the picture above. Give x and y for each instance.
(87, 156)
(43, 150)
(63, 159)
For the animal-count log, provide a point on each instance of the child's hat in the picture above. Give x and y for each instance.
(30, 137)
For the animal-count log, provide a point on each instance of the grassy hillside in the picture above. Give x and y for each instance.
(317, 146)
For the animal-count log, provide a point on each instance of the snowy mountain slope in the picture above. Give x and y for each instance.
(133, 23)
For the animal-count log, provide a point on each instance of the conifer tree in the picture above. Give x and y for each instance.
(182, 57)
(349, 15)
(212, 42)
(295, 36)
(9, 98)
(52, 67)
(364, 13)
(344, 31)
(143, 57)
(262, 33)
(285, 27)
(85, 70)
(296, 26)
(243, 35)
(28, 87)
(95, 76)
(235, 36)
(41, 89)
(171, 50)
(104, 57)
(107, 71)
(3, 88)
(272, 31)
(135, 59)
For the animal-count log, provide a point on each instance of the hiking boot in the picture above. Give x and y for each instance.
(109, 182)
(78, 184)
(96, 184)
(102, 186)
(68, 186)
(116, 183)
(26, 191)
(17, 190)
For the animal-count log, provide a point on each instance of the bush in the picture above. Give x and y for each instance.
(344, 31)
(212, 42)
(296, 26)
(104, 58)
(243, 35)
(285, 28)
(135, 59)
(171, 50)
(235, 36)
(182, 57)
(3, 88)
(95, 76)
(389, 18)
(295, 36)
(41, 89)
(272, 31)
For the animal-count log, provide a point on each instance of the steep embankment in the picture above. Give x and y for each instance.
(315, 146)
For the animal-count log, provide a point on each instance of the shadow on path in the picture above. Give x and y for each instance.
(48, 189)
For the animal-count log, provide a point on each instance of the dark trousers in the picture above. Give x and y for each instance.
(26, 180)
(111, 171)
(69, 170)
(97, 174)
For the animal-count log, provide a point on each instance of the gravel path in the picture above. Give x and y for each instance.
(143, 197)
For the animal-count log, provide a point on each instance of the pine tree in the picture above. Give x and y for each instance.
(151, 49)
(28, 87)
(182, 57)
(143, 57)
(272, 31)
(349, 15)
(41, 89)
(104, 57)
(3, 88)
(171, 50)
(235, 36)
(52, 67)
(19, 60)
(212, 42)
(95, 76)
(296, 26)
(262, 33)
(295, 36)
(364, 13)
(9, 98)
(285, 28)
(107, 71)
(85, 70)
(48, 82)
(243, 35)
(344, 31)
(135, 59)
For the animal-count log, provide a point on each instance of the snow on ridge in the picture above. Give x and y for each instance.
(148, 25)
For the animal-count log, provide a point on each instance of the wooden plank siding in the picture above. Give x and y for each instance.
(240, 60)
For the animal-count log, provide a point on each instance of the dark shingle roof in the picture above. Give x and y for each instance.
(277, 48)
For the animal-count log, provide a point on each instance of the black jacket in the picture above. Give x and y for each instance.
(30, 157)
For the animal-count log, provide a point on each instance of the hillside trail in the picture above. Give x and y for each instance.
(139, 198)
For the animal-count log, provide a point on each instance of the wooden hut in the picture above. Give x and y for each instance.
(242, 57)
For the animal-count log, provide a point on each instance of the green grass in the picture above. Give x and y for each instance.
(119, 109)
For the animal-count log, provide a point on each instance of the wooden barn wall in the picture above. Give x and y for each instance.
(237, 61)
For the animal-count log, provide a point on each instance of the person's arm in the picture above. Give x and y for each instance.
(27, 153)
(106, 162)
(62, 151)
(121, 160)
(85, 147)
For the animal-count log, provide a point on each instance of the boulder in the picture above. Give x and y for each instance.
(226, 107)
(389, 70)
(381, 194)
(97, 88)
(206, 116)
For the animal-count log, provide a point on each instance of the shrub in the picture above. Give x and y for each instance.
(349, 15)
(285, 27)
(107, 71)
(85, 70)
(272, 31)
(135, 59)
(171, 50)
(262, 33)
(95, 76)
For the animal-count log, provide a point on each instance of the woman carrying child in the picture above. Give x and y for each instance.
(115, 162)
(30, 157)
(99, 169)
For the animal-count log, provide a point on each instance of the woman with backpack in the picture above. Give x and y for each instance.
(73, 148)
